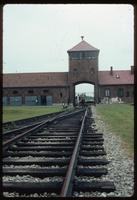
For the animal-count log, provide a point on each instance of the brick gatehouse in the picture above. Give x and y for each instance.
(58, 87)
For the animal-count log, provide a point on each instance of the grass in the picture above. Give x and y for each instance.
(12, 113)
(120, 120)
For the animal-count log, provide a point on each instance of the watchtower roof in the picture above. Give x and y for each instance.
(83, 46)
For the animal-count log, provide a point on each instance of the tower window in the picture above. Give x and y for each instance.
(74, 55)
(82, 55)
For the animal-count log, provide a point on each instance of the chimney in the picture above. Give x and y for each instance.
(82, 37)
(132, 69)
(111, 71)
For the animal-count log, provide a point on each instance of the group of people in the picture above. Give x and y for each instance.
(79, 101)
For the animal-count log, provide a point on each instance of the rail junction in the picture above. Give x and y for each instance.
(52, 156)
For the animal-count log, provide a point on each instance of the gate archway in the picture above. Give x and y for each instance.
(83, 89)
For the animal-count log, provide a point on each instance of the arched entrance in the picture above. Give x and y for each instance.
(83, 90)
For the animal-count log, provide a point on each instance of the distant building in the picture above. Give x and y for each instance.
(59, 87)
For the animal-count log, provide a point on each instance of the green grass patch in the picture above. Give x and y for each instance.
(120, 120)
(12, 113)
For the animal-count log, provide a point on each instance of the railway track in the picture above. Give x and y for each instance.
(28, 124)
(57, 158)
(22, 123)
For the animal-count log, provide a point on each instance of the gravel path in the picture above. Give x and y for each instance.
(121, 167)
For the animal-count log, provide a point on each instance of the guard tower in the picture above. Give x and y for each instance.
(83, 67)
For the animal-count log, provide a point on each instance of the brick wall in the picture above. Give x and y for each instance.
(128, 92)
(59, 94)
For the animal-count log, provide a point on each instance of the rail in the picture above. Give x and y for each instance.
(67, 185)
(36, 127)
(62, 157)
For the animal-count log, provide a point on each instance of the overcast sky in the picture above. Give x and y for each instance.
(36, 37)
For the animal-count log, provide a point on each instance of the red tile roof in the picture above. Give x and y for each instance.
(125, 77)
(35, 79)
(61, 79)
(83, 46)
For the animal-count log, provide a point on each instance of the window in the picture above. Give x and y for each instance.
(107, 92)
(127, 94)
(88, 55)
(120, 92)
(75, 55)
(78, 55)
(82, 55)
